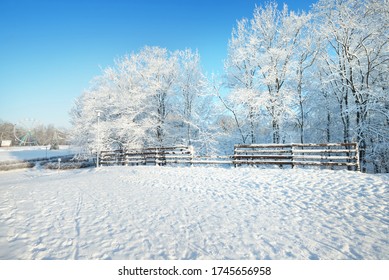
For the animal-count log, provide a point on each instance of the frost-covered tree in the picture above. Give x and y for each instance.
(158, 69)
(190, 91)
(261, 66)
(241, 67)
(305, 55)
(143, 99)
(355, 66)
(119, 94)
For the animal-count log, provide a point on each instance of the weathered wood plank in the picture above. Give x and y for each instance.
(324, 163)
(211, 162)
(262, 162)
(238, 151)
(248, 157)
(324, 145)
(263, 146)
(324, 151)
(324, 157)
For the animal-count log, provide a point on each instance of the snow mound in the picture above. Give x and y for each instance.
(150, 212)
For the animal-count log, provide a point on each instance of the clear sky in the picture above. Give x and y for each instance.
(51, 49)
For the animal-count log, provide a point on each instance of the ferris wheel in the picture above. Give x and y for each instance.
(25, 132)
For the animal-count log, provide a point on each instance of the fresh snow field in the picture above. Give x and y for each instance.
(149, 212)
(33, 152)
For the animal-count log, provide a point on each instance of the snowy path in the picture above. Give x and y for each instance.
(193, 213)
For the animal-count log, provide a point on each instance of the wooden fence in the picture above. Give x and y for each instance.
(148, 156)
(331, 154)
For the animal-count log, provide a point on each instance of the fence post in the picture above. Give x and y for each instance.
(156, 157)
(357, 166)
(292, 153)
(233, 157)
(191, 150)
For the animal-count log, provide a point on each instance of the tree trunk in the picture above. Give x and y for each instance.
(301, 117)
(276, 131)
(252, 126)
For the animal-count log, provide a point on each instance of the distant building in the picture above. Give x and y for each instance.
(6, 143)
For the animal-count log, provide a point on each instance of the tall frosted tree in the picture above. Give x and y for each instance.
(190, 91)
(159, 72)
(355, 67)
(146, 99)
(241, 68)
(261, 66)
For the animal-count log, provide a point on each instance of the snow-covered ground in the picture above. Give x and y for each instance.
(33, 152)
(149, 212)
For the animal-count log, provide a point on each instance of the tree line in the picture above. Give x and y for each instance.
(38, 134)
(319, 76)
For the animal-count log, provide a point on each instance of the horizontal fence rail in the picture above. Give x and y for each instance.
(326, 155)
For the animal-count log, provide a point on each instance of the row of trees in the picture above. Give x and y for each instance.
(37, 134)
(308, 77)
(289, 77)
(154, 97)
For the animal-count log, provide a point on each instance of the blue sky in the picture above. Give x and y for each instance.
(51, 49)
